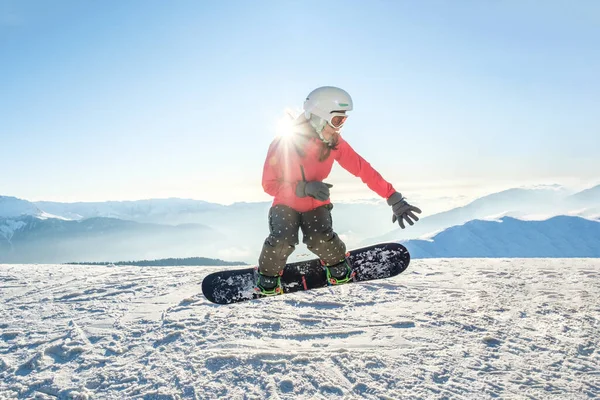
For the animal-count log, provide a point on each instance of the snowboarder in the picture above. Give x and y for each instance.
(294, 172)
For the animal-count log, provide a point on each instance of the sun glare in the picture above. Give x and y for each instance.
(284, 125)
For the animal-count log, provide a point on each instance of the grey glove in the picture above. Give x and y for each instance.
(402, 210)
(315, 189)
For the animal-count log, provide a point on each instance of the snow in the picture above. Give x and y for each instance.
(11, 207)
(45, 215)
(7, 230)
(141, 210)
(460, 328)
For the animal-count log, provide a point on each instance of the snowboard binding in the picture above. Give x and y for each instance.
(339, 273)
(268, 285)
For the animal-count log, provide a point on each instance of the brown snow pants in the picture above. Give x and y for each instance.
(317, 235)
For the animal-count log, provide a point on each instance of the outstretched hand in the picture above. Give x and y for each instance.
(402, 210)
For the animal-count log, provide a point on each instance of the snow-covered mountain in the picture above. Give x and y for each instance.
(586, 197)
(28, 239)
(237, 231)
(355, 221)
(167, 211)
(14, 207)
(585, 203)
(561, 236)
(536, 203)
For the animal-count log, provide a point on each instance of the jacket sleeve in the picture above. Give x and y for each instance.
(272, 178)
(352, 162)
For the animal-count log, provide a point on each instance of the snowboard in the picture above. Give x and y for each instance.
(378, 261)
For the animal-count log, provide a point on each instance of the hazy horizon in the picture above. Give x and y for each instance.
(432, 200)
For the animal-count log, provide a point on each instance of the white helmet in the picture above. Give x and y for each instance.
(322, 102)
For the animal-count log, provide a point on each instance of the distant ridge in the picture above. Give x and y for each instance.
(189, 261)
(157, 229)
(560, 236)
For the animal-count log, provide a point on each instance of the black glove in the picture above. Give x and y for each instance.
(402, 210)
(315, 189)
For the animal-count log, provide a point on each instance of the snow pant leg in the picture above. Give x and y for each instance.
(319, 237)
(284, 223)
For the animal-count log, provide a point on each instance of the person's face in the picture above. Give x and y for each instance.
(330, 133)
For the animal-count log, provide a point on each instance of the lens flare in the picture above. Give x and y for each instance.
(284, 126)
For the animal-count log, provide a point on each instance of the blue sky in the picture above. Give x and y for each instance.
(126, 100)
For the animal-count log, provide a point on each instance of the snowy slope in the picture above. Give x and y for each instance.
(509, 237)
(8, 227)
(13, 207)
(459, 329)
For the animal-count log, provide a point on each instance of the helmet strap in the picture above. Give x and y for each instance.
(318, 124)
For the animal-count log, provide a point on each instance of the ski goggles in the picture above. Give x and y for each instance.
(336, 120)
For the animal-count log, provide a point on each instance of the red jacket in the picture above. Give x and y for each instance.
(284, 165)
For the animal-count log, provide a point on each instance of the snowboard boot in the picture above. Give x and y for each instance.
(268, 285)
(339, 273)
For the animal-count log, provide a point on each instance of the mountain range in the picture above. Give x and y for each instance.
(556, 237)
(537, 203)
(547, 221)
